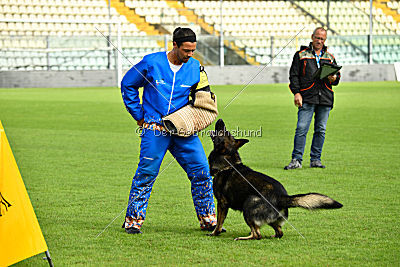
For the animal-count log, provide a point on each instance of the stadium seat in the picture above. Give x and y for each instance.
(251, 22)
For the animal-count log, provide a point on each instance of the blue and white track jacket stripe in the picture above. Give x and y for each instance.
(163, 91)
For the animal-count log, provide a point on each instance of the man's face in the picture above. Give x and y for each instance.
(318, 39)
(185, 51)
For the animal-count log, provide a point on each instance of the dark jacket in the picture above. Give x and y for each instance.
(313, 91)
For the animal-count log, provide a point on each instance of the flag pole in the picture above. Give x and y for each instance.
(48, 258)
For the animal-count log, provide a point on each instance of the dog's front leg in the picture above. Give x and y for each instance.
(222, 211)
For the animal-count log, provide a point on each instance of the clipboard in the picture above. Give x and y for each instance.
(325, 70)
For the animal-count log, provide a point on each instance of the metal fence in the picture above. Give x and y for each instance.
(52, 52)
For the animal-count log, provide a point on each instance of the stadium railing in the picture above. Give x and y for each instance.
(93, 52)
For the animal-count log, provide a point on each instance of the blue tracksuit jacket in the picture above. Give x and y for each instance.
(164, 92)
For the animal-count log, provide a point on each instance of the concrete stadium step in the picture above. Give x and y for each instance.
(387, 10)
(132, 17)
(194, 18)
(190, 15)
(250, 59)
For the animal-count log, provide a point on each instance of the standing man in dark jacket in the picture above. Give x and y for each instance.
(311, 95)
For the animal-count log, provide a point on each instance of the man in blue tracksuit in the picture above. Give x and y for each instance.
(167, 79)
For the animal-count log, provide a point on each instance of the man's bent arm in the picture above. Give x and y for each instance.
(336, 82)
(130, 84)
(294, 75)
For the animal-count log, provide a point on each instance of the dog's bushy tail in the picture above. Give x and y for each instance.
(312, 201)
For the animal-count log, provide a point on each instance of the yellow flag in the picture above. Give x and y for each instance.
(20, 234)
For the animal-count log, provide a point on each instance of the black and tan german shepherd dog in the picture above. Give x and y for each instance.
(262, 199)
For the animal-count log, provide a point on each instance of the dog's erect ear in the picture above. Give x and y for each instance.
(220, 126)
(220, 129)
(240, 142)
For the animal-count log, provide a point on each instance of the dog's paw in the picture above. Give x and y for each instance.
(214, 233)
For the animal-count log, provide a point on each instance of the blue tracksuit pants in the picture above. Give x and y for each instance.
(189, 153)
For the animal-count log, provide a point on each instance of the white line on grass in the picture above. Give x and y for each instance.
(262, 69)
(265, 198)
(130, 202)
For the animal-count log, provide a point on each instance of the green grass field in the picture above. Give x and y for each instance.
(77, 151)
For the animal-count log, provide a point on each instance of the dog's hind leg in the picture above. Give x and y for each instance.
(278, 228)
(255, 233)
(222, 211)
(278, 231)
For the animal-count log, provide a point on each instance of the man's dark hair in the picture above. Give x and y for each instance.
(181, 35)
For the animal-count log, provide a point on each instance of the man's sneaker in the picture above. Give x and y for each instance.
(132, 230)
(316, 164)
(294, 164)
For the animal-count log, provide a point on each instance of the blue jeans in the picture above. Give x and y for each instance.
(189, 153)
(304, 117)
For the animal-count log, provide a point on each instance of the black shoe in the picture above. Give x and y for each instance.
(212, 228)
(317, 164)
(133, 230)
